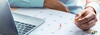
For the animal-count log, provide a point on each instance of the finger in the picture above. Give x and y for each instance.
(80, 23)
(87, 25)
(83, 26)
(92, 23)
(88, 14)
(78, 16)
(87, 18)
(85, 22)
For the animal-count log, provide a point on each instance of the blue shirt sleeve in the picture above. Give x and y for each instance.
(26, 3)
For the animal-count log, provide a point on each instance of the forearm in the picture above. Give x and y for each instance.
(55, 4)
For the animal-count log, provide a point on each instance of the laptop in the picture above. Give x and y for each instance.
(18, 25)
(7, 26)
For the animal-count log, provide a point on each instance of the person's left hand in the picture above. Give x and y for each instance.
(86, 19)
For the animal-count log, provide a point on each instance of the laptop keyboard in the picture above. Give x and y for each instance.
(23, 28)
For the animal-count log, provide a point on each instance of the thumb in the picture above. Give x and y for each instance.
(78, 16)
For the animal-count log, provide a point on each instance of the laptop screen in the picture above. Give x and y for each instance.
(7, 26)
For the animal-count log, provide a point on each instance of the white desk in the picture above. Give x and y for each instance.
(56, 22)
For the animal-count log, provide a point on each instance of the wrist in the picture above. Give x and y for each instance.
(91, 8)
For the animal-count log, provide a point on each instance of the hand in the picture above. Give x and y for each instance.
(86, 19)
(55, 4)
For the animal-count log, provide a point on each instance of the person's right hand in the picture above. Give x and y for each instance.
(55, 4)
(86, 19)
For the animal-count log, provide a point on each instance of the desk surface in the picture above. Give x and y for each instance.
(56, 22)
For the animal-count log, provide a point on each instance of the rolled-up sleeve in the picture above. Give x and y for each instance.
(26, 3)
(38, 3)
